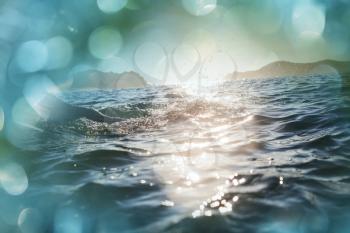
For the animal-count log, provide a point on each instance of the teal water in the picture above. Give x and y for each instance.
(265, 156)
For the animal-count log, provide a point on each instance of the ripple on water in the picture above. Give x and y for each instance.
(259, 156)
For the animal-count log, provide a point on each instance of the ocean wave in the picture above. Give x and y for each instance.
(270, 151)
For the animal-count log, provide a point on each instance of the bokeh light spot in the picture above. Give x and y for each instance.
(111, 6)
(308, 19)
(24, 120)
(151, 61)
(36, 89)
(60, 51)
(105, 42)
(199, 7)
(32, 56)
(13, 179)
(30, 221)
(68, 220)
(186, 61)
(11, 22)
(23, 113)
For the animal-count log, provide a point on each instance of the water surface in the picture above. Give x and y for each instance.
(266, 156)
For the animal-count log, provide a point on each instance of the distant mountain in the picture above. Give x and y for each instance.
(284, 68)
(91, 79)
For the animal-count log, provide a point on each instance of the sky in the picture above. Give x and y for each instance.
(165, 41)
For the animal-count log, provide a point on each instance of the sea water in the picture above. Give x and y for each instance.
(252, 155)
